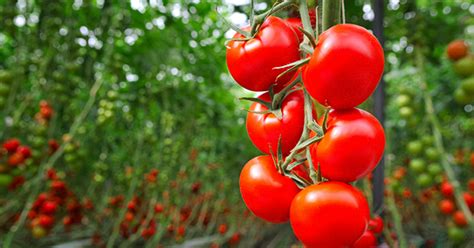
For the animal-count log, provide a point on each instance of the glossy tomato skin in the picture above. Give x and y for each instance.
(367, 240)
(329, 214)
(265, 130)
(352, 145)
(345, 67)
(251, 62)
(267, 193)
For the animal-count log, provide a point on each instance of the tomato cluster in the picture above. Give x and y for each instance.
(463, 65)
(59, 200)
(342, 146)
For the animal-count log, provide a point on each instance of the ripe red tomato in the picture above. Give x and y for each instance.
(459, 219)
(49, 207)
(265, 130)
(469, 199)
(376, 224)
(25, 151)
(267, 193)
(457, 49)
(447, 189)
(46, 221)
(446, 206)
(352, 146)
(367, 240)
(16, 159)
(11, 145)
(345, 67)
(251, 63)
(330, 214)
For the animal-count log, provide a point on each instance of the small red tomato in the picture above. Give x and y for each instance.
(469, 199)
(320, 211)
(46, 221)
(265, 130)
(447, 189)
(25, 151)
(345, 67)
(267, 193)
(16, 159)
(376, 225)
(129, 216)
(459, 219)
(446, 206)
(470, 184)
(367, 240)
(159, 208)
(49, 207)
(11, 145)
(252, 62)
(234, 239)
(181, 230)
(222, 228)
(352, 146)
(195, 187)
(457, 49)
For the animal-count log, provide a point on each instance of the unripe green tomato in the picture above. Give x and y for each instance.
(38, 142)
(403, 100)
(69, 157)
(4, 89)
(417, 165)
(5, 76)
(461, 97)
(414, 147)
(468, 126)
(456, 234)
(5, 180)
(464, 67)
(112, 94)
(396, 186)
(38, 232)
(69, 147)
(424, 180)
(427, 140)
(40, 130)
(439, 178)
(406, 112)
(468, 85)
(435, 169)
(432, 153)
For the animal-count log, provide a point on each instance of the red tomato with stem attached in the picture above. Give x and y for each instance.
(351, 147)
(267, 193)
(265, 130)
(367, 240)
(329, 214)
(251, 63)
(345, 67)
(296, 23)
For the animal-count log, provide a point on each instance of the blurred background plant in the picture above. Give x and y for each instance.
(121, 126)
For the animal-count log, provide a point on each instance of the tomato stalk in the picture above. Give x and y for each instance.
(331, 13)
(260, 18)
(438, 139)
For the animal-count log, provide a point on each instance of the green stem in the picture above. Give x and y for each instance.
(331, 13)
(305, 19)
(438, 139)
(259, 19)
(397, 221)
